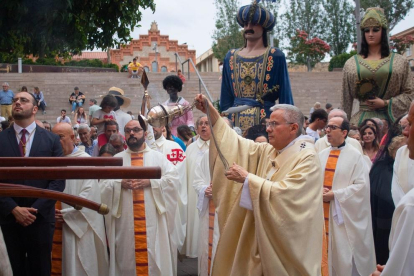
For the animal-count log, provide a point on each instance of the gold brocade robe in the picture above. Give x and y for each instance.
(283, 233)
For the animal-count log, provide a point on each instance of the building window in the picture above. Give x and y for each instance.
(146, 68)
(408, 51)
(164, 69)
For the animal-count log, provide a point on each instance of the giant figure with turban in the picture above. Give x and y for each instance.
(256, 75)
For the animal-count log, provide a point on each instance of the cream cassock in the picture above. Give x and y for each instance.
(160, 209)
(403, 175)
(84, 243)
(350, 225)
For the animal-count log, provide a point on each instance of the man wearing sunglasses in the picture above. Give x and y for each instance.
(347, 210)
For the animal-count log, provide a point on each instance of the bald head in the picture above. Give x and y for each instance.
(67, 138)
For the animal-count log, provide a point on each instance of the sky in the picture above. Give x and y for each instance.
(192, 22)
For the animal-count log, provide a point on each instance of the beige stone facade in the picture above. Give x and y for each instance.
(409, 53)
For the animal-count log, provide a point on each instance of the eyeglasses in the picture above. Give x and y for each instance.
(332, 127)
(375, 30)
(203, 123)
(274, 124)
(135, 130)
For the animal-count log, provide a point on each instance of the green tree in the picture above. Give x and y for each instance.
(303, 50)
(274, 8)
(227, 34)
(340, 27)
(305, 15)
(49, 27)
(395, 10)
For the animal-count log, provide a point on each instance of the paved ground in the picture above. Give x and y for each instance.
(188, 267)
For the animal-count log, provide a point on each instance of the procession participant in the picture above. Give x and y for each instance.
(347, 209)
(177, 157)
(403, 168)
(269, 201)
(255, 75)
(83, 249)
(377, 77)
(122, 118)
(323, 143)
(142, 211)
(402, 231)
(195, 152)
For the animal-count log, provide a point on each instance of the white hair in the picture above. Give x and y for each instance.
(291, 114)
(116, 137)
(84, 126)
(343, 116)
(6, 84)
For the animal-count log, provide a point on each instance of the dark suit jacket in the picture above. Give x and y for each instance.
(45, 144)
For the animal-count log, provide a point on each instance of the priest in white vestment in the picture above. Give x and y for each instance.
(323, 143)
(177, 157)
(194, 153)
(269, 200)
(204, 189)
(401, 241)
(403, 175)
(159, 203)
(347, 188)
(84, 247)
(5, 267)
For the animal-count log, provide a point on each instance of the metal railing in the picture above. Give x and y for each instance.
(200, 80)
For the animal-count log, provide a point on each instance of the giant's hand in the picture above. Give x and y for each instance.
(24, 215)
(236, 173)
(379, 270)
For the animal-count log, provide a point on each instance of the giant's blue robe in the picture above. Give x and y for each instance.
(247, 79)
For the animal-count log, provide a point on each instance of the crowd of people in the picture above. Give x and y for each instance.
(256, 189)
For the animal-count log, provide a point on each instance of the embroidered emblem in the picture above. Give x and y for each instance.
(176, 156)
(267, 77)
(273, 50)
(302, 146)
(262, 113)
(269, 63)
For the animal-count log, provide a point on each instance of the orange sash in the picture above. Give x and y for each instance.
(327, 183)
(211, 214)
(140, 226)
(57, 246)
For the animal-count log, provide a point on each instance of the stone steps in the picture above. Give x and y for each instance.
(307, 88)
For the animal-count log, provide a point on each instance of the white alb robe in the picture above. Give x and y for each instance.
(160, 209)
(350, 225)
(5, 267)
(195, 153)
(201, 182)
(84, 248)
(401, 240)
(177, 157)
(403, 175)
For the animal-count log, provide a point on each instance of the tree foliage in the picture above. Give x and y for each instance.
(227, 34)
(395, 10)
(304, 50)
(274, 8)
(305, 15)
(339, 60)
(401, 43)
(50, 27)
(339, 32)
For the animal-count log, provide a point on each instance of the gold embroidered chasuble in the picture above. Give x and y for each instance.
(283, 233)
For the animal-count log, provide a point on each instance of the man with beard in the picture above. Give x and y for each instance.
(28, 223)
(142, 211)
(256, 75)
(195, 153)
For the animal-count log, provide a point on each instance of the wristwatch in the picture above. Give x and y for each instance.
(386, 102)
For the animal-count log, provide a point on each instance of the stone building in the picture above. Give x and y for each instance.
(409, 52)
(155, 52)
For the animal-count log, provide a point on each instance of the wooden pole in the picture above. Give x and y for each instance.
(38, 173)
(15, 190)
(59, 161)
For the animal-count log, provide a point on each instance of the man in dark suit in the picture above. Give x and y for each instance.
(28, 223)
